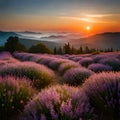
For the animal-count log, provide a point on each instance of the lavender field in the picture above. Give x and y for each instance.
(59, 87)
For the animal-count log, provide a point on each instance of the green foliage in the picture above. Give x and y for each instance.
(80, 50)
(60, 51)
(39, 48)
(55, 50)
(67, 49)
(73, 50)
(13, 44)
(96, 52)
(1, 48)
(14, 94)
(40, 75)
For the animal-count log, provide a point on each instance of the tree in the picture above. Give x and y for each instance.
(111, 49)
(55, 50)
(67, 48)
(87, 50)
(1, 48)
(13, 44)
(80, 50)
(39, 48)
(59, 51)
(73, 50)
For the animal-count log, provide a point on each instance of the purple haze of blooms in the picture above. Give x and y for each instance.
(52, 61)
(99, 57)
(118, 56)
(76, 76)
(14, 94)
(56, 62)
(103, 89)
(70, 57)
(76, 59)
(97, 67)
(26, 57)
(86, 61)
(26, 66)
(19, 55)
(46, 60)
(113, 62)
(66, 66)
(5, 55)
(40, 75)
(35, 58)
(58, 102)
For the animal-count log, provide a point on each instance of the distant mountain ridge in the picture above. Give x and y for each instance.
(30, 32)
(101, 41)
(5, 35)
(28, 43)
(109, 33)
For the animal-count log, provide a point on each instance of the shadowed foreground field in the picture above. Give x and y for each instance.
(59, 87)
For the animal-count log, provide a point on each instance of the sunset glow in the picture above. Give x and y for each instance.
(88, 28)
(60, 15)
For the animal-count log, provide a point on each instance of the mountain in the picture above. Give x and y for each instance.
(28, 43)
(101, 41)
(30, 32)
(53, 37)
(4, 36)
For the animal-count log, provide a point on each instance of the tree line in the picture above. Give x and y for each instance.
(69, 49)
(13, 45)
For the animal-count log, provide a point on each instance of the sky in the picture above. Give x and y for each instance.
(60, 15)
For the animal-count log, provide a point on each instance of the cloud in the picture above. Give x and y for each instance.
(77, 18)
(97, 15)
(88, 19)
(101, 15)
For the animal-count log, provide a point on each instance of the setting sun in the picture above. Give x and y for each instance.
(88, 28)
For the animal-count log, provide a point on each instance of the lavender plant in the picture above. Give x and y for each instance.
(103, 90)
(58, 103)
(39, 74)
(113, 62)
(86, 61)
(66, 66)
(56, 63)
(14, 94)
(76, 76)
(46, 60)
(97, 67)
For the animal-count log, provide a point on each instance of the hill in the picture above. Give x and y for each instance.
(28, 43)
(103, 40)
(5, 35)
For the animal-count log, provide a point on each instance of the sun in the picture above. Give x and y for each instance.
(88, 28)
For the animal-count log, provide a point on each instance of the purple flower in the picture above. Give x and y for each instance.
(76, 59)
(58, 102)
(86, 61)
(76, 76)
(14, 94)
(103, 90)
(66, 66)
(97, 67)
(46, 60)
(39, 74)
(4, 55)
(113, 62)
(56, 63)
